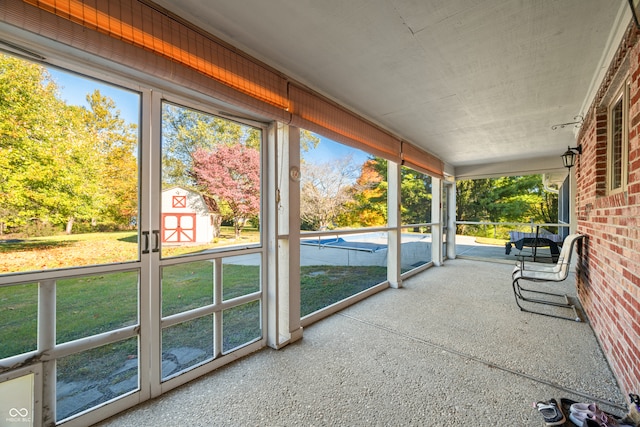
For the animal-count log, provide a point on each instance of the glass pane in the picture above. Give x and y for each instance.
(186, 345)
(18, 319)
(240, 275)
(415, 248)
(69, 170)
(336, 268)
(340, 186)
(415, 198)
(90, 378)
(241, 325)
(187, 286)
(87, 305)
(616, 145)
(210, 182)
(323, 285)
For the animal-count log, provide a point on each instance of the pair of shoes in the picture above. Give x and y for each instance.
(551, 412)
(579, 413)
(589, 415)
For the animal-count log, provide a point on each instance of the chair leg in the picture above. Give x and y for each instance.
(517, 291)
(565, 304)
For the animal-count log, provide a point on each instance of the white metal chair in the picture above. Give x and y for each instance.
(540, 272)
(565, 252)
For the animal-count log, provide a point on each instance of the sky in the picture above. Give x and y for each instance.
(74, 89)
(328, 151)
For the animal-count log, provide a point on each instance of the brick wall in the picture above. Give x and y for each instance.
(609, 271)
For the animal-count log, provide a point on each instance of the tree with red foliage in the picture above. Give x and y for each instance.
(231, 175)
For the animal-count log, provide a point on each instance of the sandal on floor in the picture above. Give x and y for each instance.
(551, 412)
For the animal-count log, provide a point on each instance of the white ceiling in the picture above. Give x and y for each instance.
(473, 82)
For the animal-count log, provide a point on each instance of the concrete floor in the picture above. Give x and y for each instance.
(450, 348)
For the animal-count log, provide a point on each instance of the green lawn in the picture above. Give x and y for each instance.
(321, 286)
(91, 305)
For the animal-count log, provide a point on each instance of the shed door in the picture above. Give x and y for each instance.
(178, 228)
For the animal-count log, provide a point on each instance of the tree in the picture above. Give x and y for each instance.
(45, 167)
(325, 191)
(415, 197)
(230, 174)
(72, 193)
(185, 130)
(308, 140)
(505, 199)
(115, 146)
(24, 141)
(415, 194)
(473, 200)
(369, 205)
(61, 163)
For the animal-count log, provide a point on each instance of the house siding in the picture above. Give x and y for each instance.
(608, 278)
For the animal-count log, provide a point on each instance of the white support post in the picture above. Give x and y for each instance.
(451, 219)
(394, 256)
(46, 343)
(217, 298)
(283, 218)
(436, 220)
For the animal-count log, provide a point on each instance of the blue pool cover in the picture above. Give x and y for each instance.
(344, 244)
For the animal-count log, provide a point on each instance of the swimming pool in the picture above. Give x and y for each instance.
(367, 242)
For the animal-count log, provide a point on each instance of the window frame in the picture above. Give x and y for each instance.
(620, 177)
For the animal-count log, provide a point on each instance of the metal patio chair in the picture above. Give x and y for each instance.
(540, 272)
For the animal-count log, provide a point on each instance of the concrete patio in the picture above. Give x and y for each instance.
(448, 349)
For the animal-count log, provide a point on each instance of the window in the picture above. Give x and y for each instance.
(342, 189)
(211, 182)
(69, 173)
(618, 141)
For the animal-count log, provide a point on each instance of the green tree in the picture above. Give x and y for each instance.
(473, 199)
(61, 163)
(44, 159)
(115, 145)
(505, 199)
(415, 197)
(415, 193)
(72, 191)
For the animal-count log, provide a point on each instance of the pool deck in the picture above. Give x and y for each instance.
(468, 247)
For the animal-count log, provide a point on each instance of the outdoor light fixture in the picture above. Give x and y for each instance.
(569, 156)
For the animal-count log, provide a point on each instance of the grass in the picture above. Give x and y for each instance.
(76, 250)
(41, 253)
(321, 286)
(491, 241)
(94, 304)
